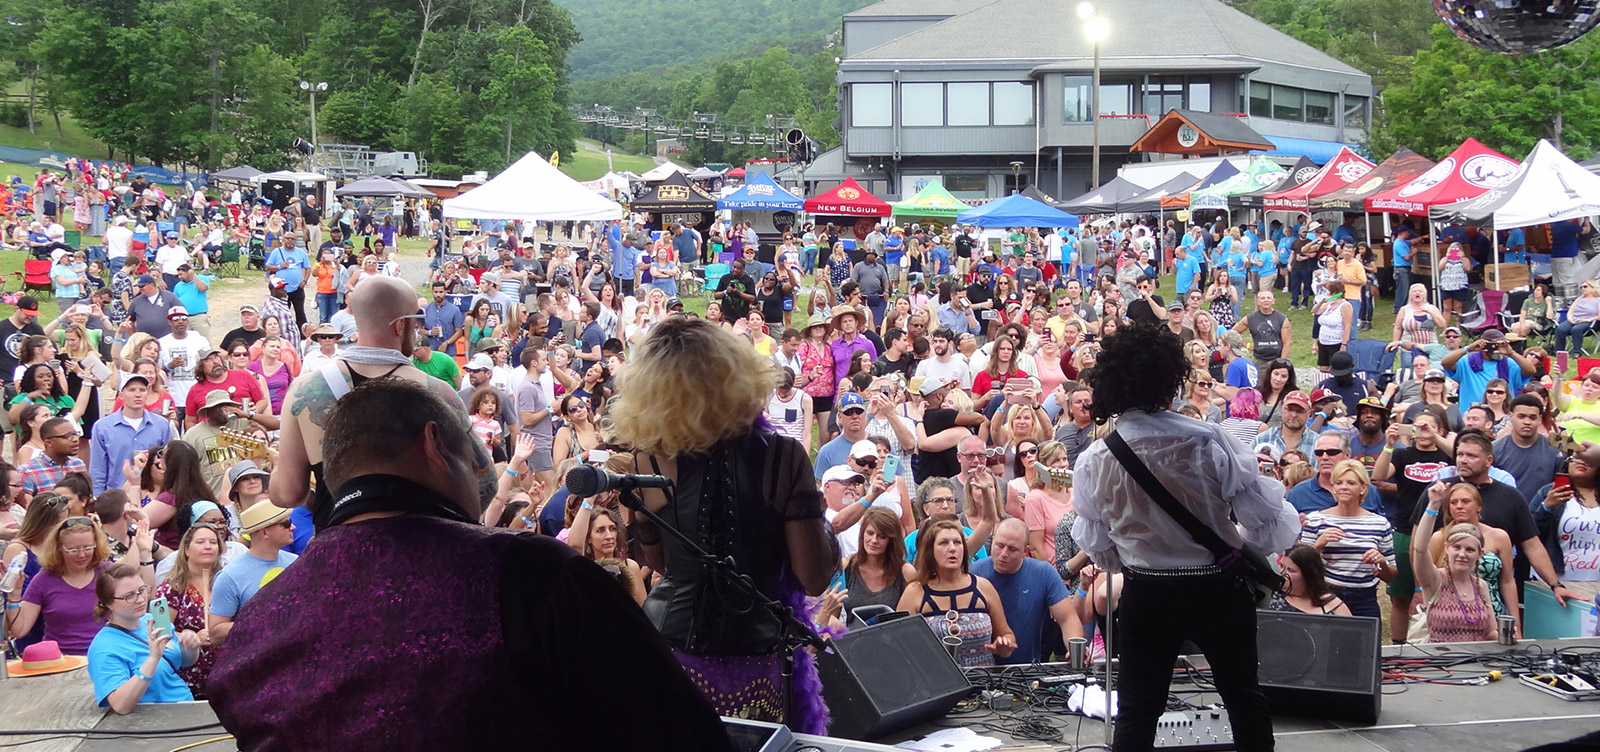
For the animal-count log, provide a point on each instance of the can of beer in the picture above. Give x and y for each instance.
(1508, 629)
(1077, 653)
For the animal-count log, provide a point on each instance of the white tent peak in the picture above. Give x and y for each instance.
(532, 190)
(662, 171)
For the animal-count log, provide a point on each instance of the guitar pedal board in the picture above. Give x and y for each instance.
(1204, 730)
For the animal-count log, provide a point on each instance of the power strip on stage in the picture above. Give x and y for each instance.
(1195, 731)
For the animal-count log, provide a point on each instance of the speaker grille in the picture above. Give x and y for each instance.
(897, 667)
(1322, 652)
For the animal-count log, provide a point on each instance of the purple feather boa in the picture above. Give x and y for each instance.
(810, 712)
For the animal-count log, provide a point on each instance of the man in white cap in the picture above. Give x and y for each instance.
(268, 528)
(499, 302)
(119, 241)
(249, 328)
(849, 494)
(180, 353)
(119, 435)
(387, 320)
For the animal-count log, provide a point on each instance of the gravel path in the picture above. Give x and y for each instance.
(228, 295)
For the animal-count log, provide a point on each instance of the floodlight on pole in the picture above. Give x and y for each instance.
(1096, 30)
(313, 88)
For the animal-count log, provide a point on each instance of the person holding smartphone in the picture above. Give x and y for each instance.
(132, 661)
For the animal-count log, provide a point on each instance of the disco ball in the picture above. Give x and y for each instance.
(1518, 26)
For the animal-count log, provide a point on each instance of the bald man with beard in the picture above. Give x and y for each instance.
(388, 316)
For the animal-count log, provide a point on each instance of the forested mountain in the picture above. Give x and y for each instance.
(628, 36)
(211, 83)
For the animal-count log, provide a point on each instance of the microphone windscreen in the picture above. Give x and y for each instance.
(583, 481)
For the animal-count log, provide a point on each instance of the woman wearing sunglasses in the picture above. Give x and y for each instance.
(63, 593)
(131, 661)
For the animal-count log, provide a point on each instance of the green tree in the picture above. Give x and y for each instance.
(1454, 90)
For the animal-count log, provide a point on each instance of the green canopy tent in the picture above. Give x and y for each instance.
(932, 202)
(1260, 173)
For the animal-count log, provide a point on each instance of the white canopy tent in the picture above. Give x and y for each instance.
(662, 171)
(1548, 187)
(532, 190)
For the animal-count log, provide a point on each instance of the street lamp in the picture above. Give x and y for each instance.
(313, 88)
(1096, 30)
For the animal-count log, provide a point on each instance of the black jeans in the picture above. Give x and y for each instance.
(297, 299)
(1154, 616)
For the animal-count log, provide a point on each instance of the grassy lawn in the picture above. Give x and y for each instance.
(73, 140)
(589, 163)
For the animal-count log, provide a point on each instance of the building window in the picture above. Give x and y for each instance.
(871, 105)
(967, 186)
(1013, 103)
(1076, 98)
(1355, 112)
(1288, 103)
(1163, 94)
(1116, 99)
(1200, 96)
(921, 104)
(966, 104)
(1260, 100)
(1319, 107)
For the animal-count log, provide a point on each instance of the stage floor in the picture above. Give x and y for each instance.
(1503, 715)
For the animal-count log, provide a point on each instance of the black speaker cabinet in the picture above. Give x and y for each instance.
(1316, 666)
(888, 677)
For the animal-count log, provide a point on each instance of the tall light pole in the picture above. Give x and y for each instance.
(1096, 29)
(313, 88)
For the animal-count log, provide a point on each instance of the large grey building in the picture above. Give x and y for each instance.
(989, 96)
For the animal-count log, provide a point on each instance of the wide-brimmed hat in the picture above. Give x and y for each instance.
(849, 311)
(815, 320)
(261, 515)
(217, 398)
(327, 330)
(43, 658)
(246, 469)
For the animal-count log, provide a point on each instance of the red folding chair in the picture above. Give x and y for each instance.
(36, 276)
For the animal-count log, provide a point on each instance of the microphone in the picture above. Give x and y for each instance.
(585, 480)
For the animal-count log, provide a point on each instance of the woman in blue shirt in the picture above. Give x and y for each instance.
(130, 661)
(1237, 257)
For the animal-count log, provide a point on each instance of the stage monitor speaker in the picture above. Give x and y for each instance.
(888, 677)
(1316, 666)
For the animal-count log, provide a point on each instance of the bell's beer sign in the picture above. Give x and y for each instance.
(672, 193)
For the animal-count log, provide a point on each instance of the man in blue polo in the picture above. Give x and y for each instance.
(444, 321)
(1316, 493)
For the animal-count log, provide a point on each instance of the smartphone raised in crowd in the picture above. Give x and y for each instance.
(161, 616)
(1562, 480)
(891, 468)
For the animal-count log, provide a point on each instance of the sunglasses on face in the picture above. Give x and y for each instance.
(867, 462)
(1029, 452)
(1327, 452)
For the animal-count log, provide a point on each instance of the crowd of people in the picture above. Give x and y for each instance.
(919, 430)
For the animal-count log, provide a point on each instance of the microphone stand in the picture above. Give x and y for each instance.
(796, 634)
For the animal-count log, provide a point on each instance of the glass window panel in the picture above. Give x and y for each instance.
(1288, 103)
(1013, 103)
(1076, 96)
(966, 104)
(1260, 99)
(1355, 112)
(921, 104)
(1116, 99)
(1319, 107)
(1200, 96)
(871, 105)
(967, 186)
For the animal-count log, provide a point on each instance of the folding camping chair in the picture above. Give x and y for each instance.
(228, 261)
(1372, 358)
(36, 276)
(1482, 312)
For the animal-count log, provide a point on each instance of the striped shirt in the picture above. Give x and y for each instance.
(1343, 557)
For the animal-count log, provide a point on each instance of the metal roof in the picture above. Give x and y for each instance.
(1139, 29)
(916, 8)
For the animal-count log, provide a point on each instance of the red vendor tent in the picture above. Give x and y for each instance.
(1345, 168)
(849, 199)
(1469, 171)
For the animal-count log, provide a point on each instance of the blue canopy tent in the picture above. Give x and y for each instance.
(1016, 210)
(760, 193)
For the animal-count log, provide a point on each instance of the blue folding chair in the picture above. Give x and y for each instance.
(1372, 357)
